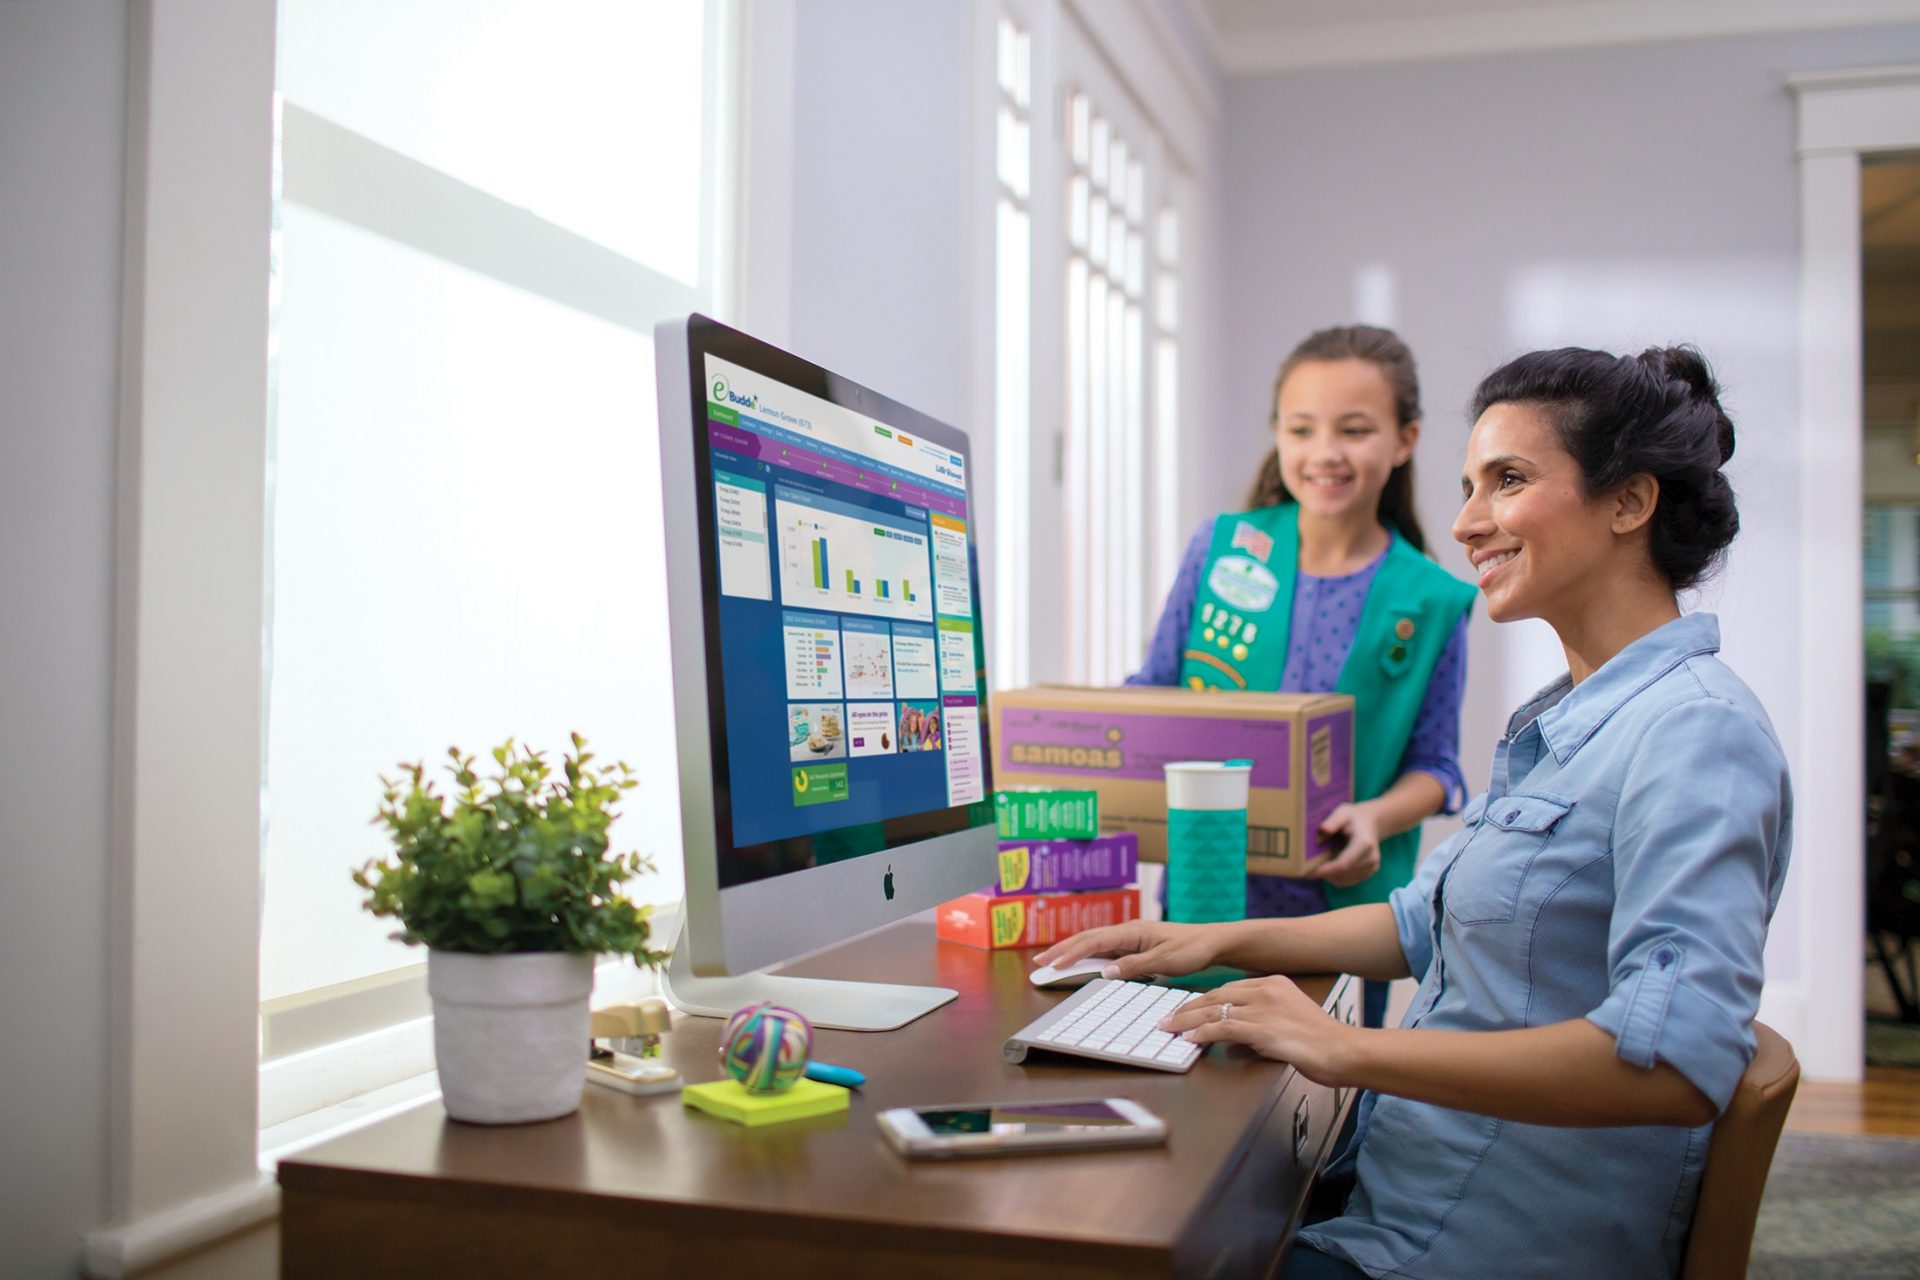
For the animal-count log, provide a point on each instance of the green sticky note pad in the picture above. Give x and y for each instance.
(731, 1100)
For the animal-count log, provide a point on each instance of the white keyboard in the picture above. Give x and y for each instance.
(1111, 1021)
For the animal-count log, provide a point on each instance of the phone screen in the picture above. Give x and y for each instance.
(1024, 1118)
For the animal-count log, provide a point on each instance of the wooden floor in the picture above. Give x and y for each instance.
(1887, 1103)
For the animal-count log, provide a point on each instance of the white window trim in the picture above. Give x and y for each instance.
(1842, 116)
(184, 969)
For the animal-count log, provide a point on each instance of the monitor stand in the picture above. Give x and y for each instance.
(825, 1002)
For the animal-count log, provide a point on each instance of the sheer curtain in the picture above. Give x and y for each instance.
(485, 208)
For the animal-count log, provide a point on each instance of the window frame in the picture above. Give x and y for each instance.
(184, 1013)
(374, 1033)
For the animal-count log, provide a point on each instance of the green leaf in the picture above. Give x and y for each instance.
(515, 861)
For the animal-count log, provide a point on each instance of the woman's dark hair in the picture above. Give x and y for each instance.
(1658, 414)
(1383, 349)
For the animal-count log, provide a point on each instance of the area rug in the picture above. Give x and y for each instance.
(1892, 1043)
(1840, 1208)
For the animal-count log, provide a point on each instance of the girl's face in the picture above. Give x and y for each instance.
(1339, 437)
(1537, 543)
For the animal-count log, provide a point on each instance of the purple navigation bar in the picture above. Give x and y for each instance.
(806, 462)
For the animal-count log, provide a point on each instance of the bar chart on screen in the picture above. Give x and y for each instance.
(837, 556)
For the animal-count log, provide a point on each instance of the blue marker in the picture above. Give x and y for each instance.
(827, 1073)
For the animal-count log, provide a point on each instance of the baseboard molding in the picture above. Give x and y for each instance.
(1783, 1006)
(131, 1249)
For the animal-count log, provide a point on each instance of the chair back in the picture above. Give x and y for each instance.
(1738, 1157)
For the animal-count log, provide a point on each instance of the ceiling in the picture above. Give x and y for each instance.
(1255, 36)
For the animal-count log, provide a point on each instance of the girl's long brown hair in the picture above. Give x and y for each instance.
(1382, 349)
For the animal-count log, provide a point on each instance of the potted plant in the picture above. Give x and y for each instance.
(509, 884)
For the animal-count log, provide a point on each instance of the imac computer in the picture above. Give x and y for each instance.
(829, 678)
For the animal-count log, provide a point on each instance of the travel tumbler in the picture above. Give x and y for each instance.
(1207, 840)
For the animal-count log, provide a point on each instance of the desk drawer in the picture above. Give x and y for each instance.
(1247, 1226)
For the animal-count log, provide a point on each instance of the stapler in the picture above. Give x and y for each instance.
(624, 1050)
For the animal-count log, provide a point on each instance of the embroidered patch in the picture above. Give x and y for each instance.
(1256, 543)
(1243, 583)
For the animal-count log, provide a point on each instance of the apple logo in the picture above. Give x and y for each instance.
(886, 883)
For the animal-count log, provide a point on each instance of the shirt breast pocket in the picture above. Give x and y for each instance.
(1483, 885)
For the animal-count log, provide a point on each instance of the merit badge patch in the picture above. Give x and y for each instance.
(1245, 584)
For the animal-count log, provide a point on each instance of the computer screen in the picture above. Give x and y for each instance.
(829, 672)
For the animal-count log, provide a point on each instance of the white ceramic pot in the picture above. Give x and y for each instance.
(510, 1033)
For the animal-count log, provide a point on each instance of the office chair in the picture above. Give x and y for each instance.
(1738, 1157)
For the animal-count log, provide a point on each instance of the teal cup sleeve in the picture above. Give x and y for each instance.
(1206, 865)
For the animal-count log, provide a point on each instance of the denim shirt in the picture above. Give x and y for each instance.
(1622, 867)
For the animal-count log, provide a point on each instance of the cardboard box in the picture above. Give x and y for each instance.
(983, 920)
(1067, 866)
(1118, 741)
(1047, 813)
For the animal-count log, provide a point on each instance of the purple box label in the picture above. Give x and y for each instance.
(1329, 767)
(1101, 744)
(1053, 866)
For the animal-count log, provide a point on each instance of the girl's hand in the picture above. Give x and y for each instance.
(1359, 858)
(1140, 947)
(1271, 1016)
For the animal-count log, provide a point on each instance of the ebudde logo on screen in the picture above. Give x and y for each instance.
(1057, 756)
(724, 394)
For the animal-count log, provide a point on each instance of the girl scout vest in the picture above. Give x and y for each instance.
(1238, 640)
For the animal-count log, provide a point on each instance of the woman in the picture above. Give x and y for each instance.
(1323, 584)
(1590, 943)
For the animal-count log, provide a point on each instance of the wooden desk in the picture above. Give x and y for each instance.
(646, 1186)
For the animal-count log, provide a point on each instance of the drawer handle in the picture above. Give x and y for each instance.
(1301, 1128)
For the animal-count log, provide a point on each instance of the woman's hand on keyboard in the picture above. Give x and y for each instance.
(1271, 1016)
(1139, 948)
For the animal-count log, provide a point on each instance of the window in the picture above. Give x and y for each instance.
(486, 207)
(1120, 468)
(1092, 192)
(1106, 383)
(1166, 401)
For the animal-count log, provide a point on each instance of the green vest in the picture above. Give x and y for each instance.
(1238, 640)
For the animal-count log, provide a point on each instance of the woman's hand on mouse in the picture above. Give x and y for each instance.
(1139, 947)
(1360, 856)
(1271, 1016)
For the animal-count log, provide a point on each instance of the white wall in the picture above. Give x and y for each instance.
(1610, 198)
(62, 139)
(880, 198)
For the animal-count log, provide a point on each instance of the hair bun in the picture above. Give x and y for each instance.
(1658, 414)
(1685, 364)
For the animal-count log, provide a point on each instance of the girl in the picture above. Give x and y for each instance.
(1590, 943)
(1323, 585)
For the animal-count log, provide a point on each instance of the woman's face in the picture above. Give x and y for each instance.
(1537, 543)
(1339, 436)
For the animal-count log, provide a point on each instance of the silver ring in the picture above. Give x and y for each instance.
(1226, 1011)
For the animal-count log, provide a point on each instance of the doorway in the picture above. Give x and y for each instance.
(1890, 582)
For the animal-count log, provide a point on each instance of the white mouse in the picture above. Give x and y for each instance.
(1072, 975)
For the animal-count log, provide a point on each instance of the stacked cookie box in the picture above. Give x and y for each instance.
(1057, 874)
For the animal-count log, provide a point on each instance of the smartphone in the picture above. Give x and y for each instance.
(1013, 1128)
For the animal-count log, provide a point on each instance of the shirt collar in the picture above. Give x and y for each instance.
(1569, 714)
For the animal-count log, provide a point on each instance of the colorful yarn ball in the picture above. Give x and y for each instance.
(766, 1047)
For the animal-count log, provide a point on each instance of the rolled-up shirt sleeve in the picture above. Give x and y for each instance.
(1162, 665)
(1699, 836)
